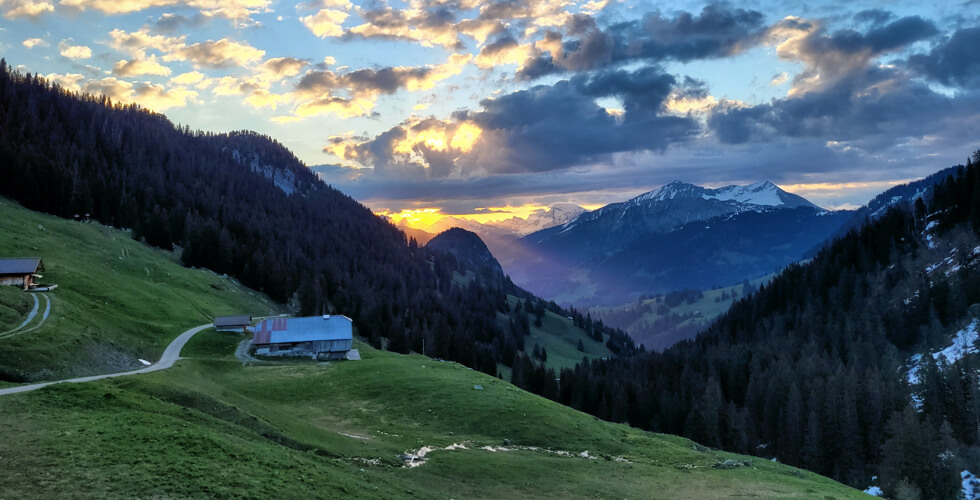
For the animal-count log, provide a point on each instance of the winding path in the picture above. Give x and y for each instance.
(170, 356)
(30, 316)
(44, 317)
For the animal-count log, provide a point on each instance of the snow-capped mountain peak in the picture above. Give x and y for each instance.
(558, 214)
(760, 194)
(674, 189)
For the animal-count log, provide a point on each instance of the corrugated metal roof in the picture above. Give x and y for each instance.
(223, 321)
(279, 330)
(21, 266)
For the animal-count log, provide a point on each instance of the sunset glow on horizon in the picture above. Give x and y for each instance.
(461, 106)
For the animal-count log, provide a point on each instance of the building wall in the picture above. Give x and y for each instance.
(21, 281)
(325, 349)
(236, 329)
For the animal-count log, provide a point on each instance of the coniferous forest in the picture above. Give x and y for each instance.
(810, 370)
(211, 197)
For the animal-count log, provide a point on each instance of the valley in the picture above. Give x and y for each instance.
(833, 356)
(320, 429)
(339, 429)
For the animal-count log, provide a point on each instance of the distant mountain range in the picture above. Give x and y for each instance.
(678, 236)
(557, 215)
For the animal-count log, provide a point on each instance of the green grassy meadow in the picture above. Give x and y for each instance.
(212, 427)
(696, 315)
(560, 337)
(117, 300)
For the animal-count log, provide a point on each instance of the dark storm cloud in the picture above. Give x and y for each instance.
(873, 16)
(780, 162)
(396, 24)
(504, 10)
(501, 44)
(842, 113)
(881, 39)
(384, 80)
(171, 23)
(552, 127)
(955, 62)
(843, 95)
(717, 31)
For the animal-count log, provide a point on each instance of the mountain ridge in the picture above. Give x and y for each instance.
(566, 262)
(467, 247)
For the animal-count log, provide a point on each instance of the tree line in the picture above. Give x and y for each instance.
(811, 369)
(242, 204)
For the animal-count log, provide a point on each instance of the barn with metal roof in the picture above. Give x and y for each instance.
(20, 272)
(328, 336)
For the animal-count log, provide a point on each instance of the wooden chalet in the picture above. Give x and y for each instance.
(232, 323)
(21, 273)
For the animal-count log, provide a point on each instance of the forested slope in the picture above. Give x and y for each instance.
(243, 205)
(812, 369)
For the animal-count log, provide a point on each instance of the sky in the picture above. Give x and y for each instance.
(496, 109)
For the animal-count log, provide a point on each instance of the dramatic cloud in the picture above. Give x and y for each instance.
(222, 53)
(843, 94)
(113, 88)
(30, 43)
(14, 9)
(539, 99)
(191, 78)
(547, 127)
(955, 62)
(717, 31)
(278, 68)
(135, 67)
(504, 51)
(831, 57)
(842, 113)
(354, 93)
(137, 43)
(216, 54)
(236, 10)
(159, 98)
(151, 96)
(426, 27)
(171, 23)
(74, 51)
(326, 22)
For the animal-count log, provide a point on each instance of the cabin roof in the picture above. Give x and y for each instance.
(313, 328)
(225, 321)
(28, 265)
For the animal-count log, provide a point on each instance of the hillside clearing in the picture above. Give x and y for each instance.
(213, 427)
(118, 300)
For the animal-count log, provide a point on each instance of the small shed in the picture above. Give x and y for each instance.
(21, 272)
(328, 336)
(232, 323)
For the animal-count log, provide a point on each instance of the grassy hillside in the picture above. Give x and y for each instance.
(117, 300)
(211, 427)
(560, 337)
(657, 323)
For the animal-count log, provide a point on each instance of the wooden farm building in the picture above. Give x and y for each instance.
(21, 272)
(232, 323)
(322, 337)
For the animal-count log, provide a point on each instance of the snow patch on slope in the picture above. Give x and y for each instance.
(971, 486)
(283, 179)
(760, 193)
(963, 343)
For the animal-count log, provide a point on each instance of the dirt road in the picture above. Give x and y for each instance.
(170, 356)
